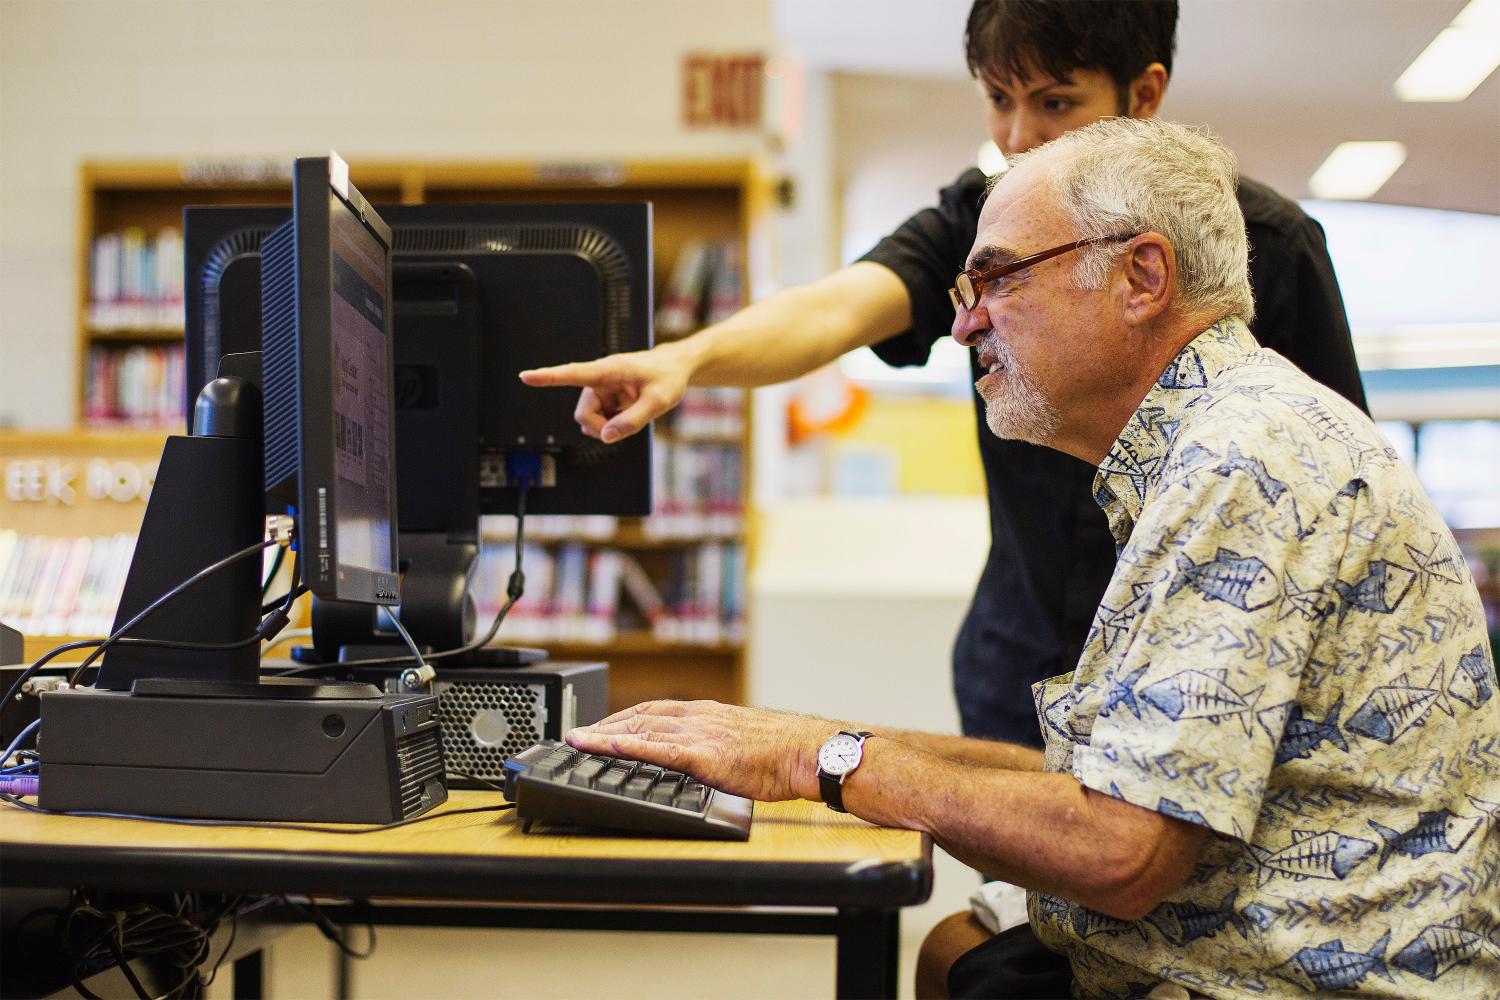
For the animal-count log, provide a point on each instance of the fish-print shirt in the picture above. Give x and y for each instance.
(1291, 653)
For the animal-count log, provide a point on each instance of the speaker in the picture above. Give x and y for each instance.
(488, 714)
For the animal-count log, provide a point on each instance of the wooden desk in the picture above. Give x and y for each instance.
(455, 871)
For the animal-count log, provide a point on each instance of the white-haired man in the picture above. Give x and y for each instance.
(1274, 768)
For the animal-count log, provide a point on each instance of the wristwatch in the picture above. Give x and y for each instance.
(837, 759)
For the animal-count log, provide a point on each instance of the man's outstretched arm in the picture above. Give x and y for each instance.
(1037, 829)
(782, 337)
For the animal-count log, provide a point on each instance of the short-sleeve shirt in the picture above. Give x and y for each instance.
(1050, 551)
(1291, 653)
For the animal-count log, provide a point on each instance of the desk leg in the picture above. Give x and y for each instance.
(250, 976)
(869, 946)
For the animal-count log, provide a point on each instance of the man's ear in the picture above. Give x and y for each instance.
(1145, 93)
(1148, 278)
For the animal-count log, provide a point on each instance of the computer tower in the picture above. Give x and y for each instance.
(491, 713)
(365, 758)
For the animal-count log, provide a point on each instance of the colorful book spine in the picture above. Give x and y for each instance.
(135, 280)
(137, 386)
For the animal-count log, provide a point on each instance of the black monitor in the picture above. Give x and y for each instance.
(480, 293)
(306, 420)
(326, 367)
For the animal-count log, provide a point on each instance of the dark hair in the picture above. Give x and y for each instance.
(1117, 37)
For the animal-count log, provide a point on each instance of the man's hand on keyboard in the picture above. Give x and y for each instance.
(755, 752)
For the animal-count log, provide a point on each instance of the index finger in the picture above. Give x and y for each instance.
(643, 708)
(578, 373)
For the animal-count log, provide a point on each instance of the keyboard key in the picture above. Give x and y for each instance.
(665, 790)
(584, 773)
(694, 795)
(639, 787)
(613, 779)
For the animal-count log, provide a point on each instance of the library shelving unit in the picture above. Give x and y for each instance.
(129, 321)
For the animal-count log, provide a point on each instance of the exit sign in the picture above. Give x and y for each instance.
(722, 91)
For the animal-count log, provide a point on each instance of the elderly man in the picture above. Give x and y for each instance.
(1274, 769)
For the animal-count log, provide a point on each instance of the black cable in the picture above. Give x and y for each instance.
(42, 661)
(234, 930)
(514, 588)
(304, 827)
(330, 930)
(91, 937)
(297, 589)
(202, 574)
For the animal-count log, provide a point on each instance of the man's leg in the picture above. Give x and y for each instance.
(954, 935)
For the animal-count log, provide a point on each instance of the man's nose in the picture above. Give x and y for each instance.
(969, 326)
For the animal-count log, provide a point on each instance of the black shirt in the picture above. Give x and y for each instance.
(1051, 553)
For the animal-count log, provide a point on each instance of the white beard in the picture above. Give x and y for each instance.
(1015, 408)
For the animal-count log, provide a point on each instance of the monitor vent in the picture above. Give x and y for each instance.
(419, 759)
(484, 723)
(593, 245)
(278, 302)
(232, 247)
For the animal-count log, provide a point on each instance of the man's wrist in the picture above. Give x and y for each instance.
(809, 768)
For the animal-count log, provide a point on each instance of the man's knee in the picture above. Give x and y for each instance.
(952, 937)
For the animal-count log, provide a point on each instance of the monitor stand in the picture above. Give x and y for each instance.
(436, 607)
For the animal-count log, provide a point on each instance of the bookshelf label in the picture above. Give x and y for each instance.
(55, 481)
(208, 173)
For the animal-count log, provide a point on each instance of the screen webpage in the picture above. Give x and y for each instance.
(361, 404)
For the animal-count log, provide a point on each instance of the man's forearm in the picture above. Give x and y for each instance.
(967, 750)
(1042, 830)
(800, 329)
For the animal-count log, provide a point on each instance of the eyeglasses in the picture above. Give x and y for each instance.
(969, 285)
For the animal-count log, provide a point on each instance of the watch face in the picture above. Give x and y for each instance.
(839, 755)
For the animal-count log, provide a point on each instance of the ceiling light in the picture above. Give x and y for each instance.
(1357, 170)
(990, 160)
(1459, 59)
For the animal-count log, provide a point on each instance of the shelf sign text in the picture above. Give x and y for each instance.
(55, 481)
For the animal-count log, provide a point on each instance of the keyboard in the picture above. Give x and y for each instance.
(554, 784)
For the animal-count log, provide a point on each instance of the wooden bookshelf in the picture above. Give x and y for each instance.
(692, 201)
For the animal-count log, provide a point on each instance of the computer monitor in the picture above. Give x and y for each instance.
(306, 420)
(327, 369)
(480, 293)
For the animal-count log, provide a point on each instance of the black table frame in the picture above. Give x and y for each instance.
(442, 890)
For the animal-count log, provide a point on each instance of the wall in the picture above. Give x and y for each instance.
(463, 79)
(898, 140)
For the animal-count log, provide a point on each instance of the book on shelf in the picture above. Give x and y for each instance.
(579, 593)
(136, 386)
(709, 412)
(707, 285)
(681, 310)
(135, 281)
(726, 283)
(595, 527)
(697, 486)
(62, 585)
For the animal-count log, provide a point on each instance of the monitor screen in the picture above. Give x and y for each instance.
(361, 395)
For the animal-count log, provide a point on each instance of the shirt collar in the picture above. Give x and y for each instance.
(1135, 460)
